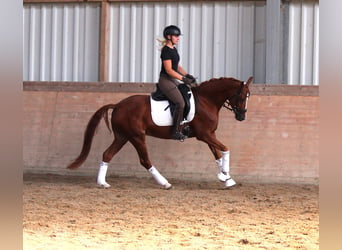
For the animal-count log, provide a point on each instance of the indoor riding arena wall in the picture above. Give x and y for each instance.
(278, 142)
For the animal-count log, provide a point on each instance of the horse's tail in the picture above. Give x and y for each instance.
(90, 132)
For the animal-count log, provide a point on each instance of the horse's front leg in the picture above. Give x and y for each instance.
(222, 157)
(218, 159)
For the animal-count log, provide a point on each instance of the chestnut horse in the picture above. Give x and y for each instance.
(131, 121)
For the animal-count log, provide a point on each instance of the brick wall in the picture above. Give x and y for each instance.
(278, 142)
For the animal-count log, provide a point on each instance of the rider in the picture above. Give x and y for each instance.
(170, 72)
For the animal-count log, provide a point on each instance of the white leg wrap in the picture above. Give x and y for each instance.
(219, 163)
(159, 178)
(221, 176)
(101, 176)
(223, 164)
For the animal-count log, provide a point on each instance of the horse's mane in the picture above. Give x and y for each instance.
(210, 83)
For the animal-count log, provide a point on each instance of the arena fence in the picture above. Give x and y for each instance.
(277, 143)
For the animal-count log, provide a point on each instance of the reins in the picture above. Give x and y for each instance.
(228, 106)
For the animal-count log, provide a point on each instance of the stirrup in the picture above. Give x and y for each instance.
(178, 136)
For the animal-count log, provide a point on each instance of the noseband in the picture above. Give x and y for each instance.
(234, 108)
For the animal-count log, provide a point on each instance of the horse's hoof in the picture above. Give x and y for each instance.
(103, 185)
(230, 183)
(167, 186)
(222, 177)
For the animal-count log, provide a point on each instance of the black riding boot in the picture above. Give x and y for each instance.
(177, 118)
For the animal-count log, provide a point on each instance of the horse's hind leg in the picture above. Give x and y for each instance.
(140, 145)
(115, 147)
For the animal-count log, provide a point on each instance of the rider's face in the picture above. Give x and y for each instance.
(175, 39)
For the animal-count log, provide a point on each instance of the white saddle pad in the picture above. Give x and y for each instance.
(161, 114)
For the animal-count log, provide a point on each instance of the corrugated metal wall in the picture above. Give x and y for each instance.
(61, 41)
(219, 39)
(303, 47)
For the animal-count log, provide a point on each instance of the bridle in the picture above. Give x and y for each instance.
(234, 108)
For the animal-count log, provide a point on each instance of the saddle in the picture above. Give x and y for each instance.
(185, 91)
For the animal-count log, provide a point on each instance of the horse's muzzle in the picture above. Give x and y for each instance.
(240, 114)
(240, 117)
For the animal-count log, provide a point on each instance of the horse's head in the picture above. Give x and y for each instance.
(238, 101)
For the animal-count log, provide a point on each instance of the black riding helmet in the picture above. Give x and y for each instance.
(171, 30)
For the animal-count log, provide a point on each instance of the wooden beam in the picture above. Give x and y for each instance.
(146, 88)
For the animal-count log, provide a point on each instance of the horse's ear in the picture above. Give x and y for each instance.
(250, 79)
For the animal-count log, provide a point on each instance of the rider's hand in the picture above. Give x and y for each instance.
(191, 77)
(187, 80)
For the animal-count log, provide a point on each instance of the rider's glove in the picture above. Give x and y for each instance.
(191, 77)
(187, 80)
